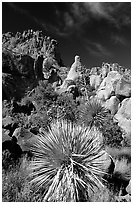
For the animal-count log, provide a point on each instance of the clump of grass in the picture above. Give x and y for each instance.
(14, 183)
(16, 186)
(67, 163)
(103, 195)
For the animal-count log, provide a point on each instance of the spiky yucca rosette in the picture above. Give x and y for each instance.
(68, 162)
(93, 113)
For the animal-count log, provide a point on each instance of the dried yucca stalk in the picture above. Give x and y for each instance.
(67, 162)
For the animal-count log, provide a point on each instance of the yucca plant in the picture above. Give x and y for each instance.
(93, 113)
(68, 162)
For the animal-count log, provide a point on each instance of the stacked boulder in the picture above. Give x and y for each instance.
(69, 83)
(112, 84)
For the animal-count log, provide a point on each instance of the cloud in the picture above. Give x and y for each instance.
(97, 8)
(76, 14)
(120, 40)
(80, 13)
(117, 13)
(97, 49)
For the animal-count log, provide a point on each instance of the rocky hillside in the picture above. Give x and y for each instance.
(39, 92)
(22, 61)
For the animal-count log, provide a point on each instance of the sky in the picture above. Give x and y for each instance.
(96, 31)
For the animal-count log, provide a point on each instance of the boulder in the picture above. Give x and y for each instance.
(106, 93)
(104, 70)
(123, 116)
(25, 138)
(128, 188)
(112, 104)
(73, 74)
(8, 120)
(95, 81)
(125, 109)
(5, 135)
(123, 87)
(107, 87)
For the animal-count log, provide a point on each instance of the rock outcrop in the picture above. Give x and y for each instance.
(95, 81)
(24, 58)
(112, 104)
(108, 85)
(123, 87)
(72, 75)
(123, 116)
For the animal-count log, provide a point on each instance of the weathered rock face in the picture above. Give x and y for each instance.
(123, 116)
(112, 104)
(23, 57)
(128, 188)
(73, 74)
(123, 87)
(107, 87)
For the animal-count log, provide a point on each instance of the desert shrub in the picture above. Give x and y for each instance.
(6, 108)
(14, 180)
(112, 133)
(40, 119)
(65, 163)
(8, 62)
(103, 194)
(66, 107)
(16, 186)
(7, 160)
(44, 95)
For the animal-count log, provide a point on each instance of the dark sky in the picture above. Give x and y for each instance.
(98, 32)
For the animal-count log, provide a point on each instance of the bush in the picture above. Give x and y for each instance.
(44, 95)
(112, 133)
(16, 186)
(67, 107)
